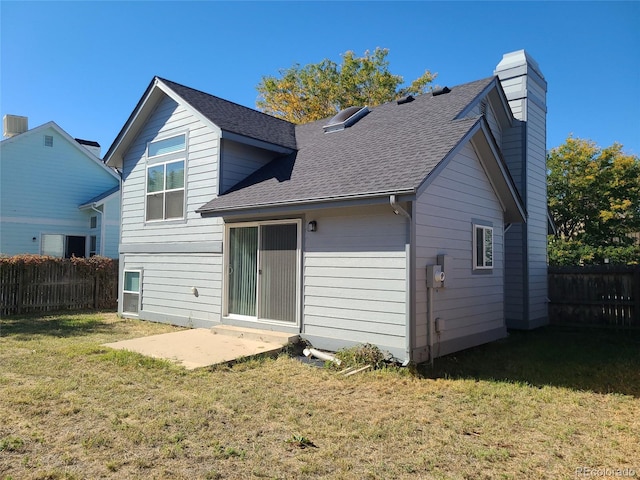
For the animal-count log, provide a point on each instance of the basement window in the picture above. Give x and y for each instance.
(131, 292)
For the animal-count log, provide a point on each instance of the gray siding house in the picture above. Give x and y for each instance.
(338, 229)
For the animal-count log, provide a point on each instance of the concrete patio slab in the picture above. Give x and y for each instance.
(202, 347)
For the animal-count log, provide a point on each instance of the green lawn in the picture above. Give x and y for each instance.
(538, 405)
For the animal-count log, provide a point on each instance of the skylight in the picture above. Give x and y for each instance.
(345, 118)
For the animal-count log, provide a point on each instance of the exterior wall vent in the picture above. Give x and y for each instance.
(345, 118)
(14, 125)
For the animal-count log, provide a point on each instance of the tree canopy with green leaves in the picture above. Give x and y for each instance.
(594, 199)
(320, 90)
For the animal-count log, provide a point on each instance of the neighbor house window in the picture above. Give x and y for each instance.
(93, 244)
(48, 141)
(131, 292)
(94, 221)
(64, 246)
(482, 247)
(53, 245)
(166, 179)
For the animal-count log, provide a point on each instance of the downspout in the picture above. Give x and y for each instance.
(430, 323)
(398, 210)
(101, 229)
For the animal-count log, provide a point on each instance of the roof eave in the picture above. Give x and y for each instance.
(319, 202)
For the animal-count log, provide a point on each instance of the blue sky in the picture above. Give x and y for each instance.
(85, 65)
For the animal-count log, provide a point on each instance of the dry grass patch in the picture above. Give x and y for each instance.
(71, 409)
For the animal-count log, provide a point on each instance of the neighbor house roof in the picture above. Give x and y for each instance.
(99, 199)
(74, 142)
(391, 150)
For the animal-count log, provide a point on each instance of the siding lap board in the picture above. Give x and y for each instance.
(355, 277)
(470, 303)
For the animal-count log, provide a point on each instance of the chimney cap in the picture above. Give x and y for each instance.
(516, 59)
(89, 143)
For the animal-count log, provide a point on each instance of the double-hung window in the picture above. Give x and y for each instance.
(166, 161)
(482, 247)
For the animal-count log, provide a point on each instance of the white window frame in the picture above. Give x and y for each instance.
(225, 282)
(483, 264)
(93, 222)
(163, 160)
(139, 292)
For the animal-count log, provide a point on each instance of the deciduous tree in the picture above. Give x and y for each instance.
(594, 199)
(320, 90)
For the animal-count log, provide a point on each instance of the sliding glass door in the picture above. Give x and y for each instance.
(243, 261)
(263, 271)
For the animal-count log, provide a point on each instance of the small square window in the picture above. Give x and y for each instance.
(482, 247)
(48, 141)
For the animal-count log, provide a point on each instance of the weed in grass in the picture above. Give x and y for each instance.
(300, 441)
(11, 444)
(213, 475)
(220, 451)
(96, 442)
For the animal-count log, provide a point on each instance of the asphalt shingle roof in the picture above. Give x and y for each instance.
(390, 150)
(236, 118)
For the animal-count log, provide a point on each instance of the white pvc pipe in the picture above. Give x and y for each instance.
(321, 355)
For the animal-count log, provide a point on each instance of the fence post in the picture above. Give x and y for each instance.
(95, 291)
(636, 293)
(20, 289)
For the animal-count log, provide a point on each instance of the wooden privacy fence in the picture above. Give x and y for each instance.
(30, 283)
(599, 295)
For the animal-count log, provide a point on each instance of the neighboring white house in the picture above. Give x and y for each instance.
(56, 196)
(338, 229)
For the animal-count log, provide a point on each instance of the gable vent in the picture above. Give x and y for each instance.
(345, 118)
